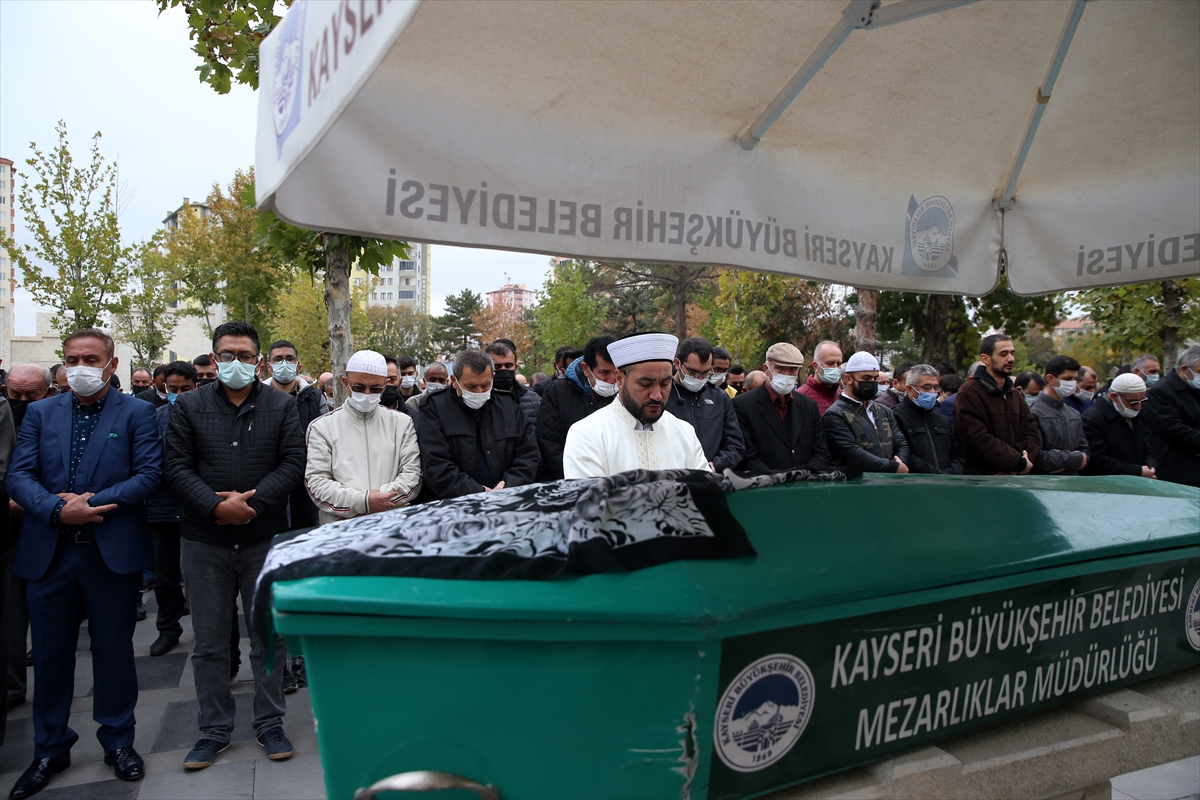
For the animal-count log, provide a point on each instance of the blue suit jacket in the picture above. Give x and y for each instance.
(122, 464)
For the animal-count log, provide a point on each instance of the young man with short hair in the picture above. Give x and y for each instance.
(998, 432)
(235, 452)
(1064, 445)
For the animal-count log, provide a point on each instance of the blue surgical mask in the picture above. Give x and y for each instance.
(284, 371)
(1194, 381)
(1152, 379)
(171, 398)
(235, 374)
(830, 375)
(926, 400)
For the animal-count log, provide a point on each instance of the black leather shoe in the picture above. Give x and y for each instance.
(163, 644)
(34, 779)
(126, 763)
(141, 611)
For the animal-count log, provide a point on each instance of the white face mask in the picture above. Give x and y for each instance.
(1066, 388)
(783, 384)
(717, 378)
(693, 384)
(87, 381)
(364, 402)
(1084, 394)
(1119, 405)
(408, 381)
(604, 388)
(829, 374)
(475, 400)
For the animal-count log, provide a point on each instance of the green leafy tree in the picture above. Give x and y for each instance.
(568, 312)
(400, 331)
(753, 310)
(679, 286)
(1154, 317)
(300, 318)
(455, 330)
(330, 255)
(147, 319)
(226, 35)
(219, 261)
(76, 264)
(948, 328)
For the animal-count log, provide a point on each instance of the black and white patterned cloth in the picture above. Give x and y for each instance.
(628, 521)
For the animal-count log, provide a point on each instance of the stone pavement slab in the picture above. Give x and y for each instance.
(1179, 779)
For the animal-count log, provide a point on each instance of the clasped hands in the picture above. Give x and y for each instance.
(234, 508)
(77, 512)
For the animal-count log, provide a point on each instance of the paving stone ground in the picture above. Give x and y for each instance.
(166, 730)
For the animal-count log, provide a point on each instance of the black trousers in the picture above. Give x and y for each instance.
(168, 580)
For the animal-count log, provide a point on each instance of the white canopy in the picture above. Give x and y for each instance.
(898, 147)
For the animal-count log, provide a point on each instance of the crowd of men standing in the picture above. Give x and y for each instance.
(193, 475)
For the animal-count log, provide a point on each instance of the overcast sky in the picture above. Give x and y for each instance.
(117, 67)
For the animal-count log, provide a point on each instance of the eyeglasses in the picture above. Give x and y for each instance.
(245, 358)
(288, 359)
(364, 389)
(1131, 403)
(696, 373)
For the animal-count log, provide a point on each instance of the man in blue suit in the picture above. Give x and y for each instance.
(84, 464)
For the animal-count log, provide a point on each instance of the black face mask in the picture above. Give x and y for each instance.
(503, 380)
(204, 382)
(866, 390)
(390, 397)
(18, 410)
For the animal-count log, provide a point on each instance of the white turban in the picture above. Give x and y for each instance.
(643, 347)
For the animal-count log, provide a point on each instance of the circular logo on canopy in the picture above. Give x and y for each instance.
(763, 711)
(1192, 622)
(931, 234)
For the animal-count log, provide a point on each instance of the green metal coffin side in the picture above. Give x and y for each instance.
(818, 544)
(624, 666)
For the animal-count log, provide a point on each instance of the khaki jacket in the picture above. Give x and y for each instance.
(350, 453)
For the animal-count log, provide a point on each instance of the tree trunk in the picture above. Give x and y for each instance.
(865, 318)
(337, 300)
(1172, 297)
(937, 332)
(681, 302)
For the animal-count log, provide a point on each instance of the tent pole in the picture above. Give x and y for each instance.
(860, 14)
(1042, 98)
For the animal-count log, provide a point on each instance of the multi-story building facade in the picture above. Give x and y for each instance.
(8, 197)
(401, 284)
(513, 295)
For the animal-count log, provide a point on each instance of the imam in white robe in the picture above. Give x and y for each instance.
(609, 441)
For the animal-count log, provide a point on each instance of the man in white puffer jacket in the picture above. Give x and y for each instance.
(362, 458)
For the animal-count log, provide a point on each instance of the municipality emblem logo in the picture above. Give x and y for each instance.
(929, 239)
(763, 712)
(285, 88)
(1193, 617)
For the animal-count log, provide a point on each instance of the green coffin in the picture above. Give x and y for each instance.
(880, 615)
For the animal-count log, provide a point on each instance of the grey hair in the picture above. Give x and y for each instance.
(42, 373)
(817, 349)
(436, 365)
(477, 360)
(975, 366)
(1190, 358)
(1085, 370)
(917, 370)
(1140, 361)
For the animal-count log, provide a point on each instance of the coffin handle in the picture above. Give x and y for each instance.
(426, 782)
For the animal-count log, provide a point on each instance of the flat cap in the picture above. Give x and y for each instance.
(786, 355)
